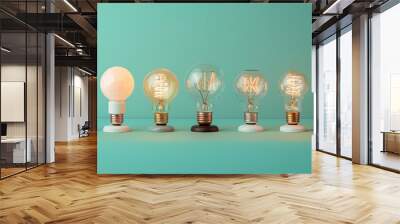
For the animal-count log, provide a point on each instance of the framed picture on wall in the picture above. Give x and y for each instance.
(12, 101)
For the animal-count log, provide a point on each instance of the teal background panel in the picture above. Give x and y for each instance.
(185, 152)
(274, 38)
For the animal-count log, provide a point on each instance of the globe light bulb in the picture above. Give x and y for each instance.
(203, 82)
(252, 85)
(293, 86)
(116, 84)
(161, 87)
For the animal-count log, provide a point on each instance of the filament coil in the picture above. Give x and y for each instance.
(116, 119)
(161, 118)
(292, 117)
(250, 117)
(204, 118)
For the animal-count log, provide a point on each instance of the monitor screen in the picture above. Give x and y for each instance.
(3, 129)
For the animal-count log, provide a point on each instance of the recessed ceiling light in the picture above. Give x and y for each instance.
(70, 5)
(64, 40)
(337, 7)
(5, 50)
(84, 71)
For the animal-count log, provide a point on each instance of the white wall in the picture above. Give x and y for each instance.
(71, 102)
(62, 82)
(80, 109)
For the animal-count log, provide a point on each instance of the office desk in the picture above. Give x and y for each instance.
(13, 150)
(391, 141)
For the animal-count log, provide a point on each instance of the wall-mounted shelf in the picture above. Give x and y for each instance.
(185, 152)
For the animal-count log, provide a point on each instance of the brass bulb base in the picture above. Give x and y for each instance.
(204, 118)
(292, 117)
(161, 118)
(116, 119)
(250, 117)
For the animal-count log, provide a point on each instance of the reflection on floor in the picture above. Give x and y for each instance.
(70, 191)
(387, 159)
(10, 169)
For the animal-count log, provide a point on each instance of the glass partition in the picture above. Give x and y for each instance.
(22, 63)
(14, 153)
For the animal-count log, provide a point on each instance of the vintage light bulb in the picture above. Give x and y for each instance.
(293, 86)
(117, 84)
(203, 82)
(252, 85)
(161, 87)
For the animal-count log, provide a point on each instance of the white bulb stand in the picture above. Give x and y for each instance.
(248, 128)
(292, 128)
(117, 108)
(161, 128)
(116, 128)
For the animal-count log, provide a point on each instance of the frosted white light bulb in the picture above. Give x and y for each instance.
(116, 84)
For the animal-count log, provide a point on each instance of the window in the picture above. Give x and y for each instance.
(346, 92)
(334, 106)
(327, 96)
(385, 89)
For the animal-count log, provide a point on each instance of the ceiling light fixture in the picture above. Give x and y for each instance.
(79, 51)
(64, 40)
(70, 5)
(331, 7)
(84, 71)
(337, 7)
(5, 50)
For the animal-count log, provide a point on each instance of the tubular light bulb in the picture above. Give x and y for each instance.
(117, 84)
(253, 86)
(293, 86)
(203, 83)
(161, 87)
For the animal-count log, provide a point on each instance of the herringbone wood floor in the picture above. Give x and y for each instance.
(70, 191)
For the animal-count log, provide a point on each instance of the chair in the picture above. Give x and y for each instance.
(84, 130)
